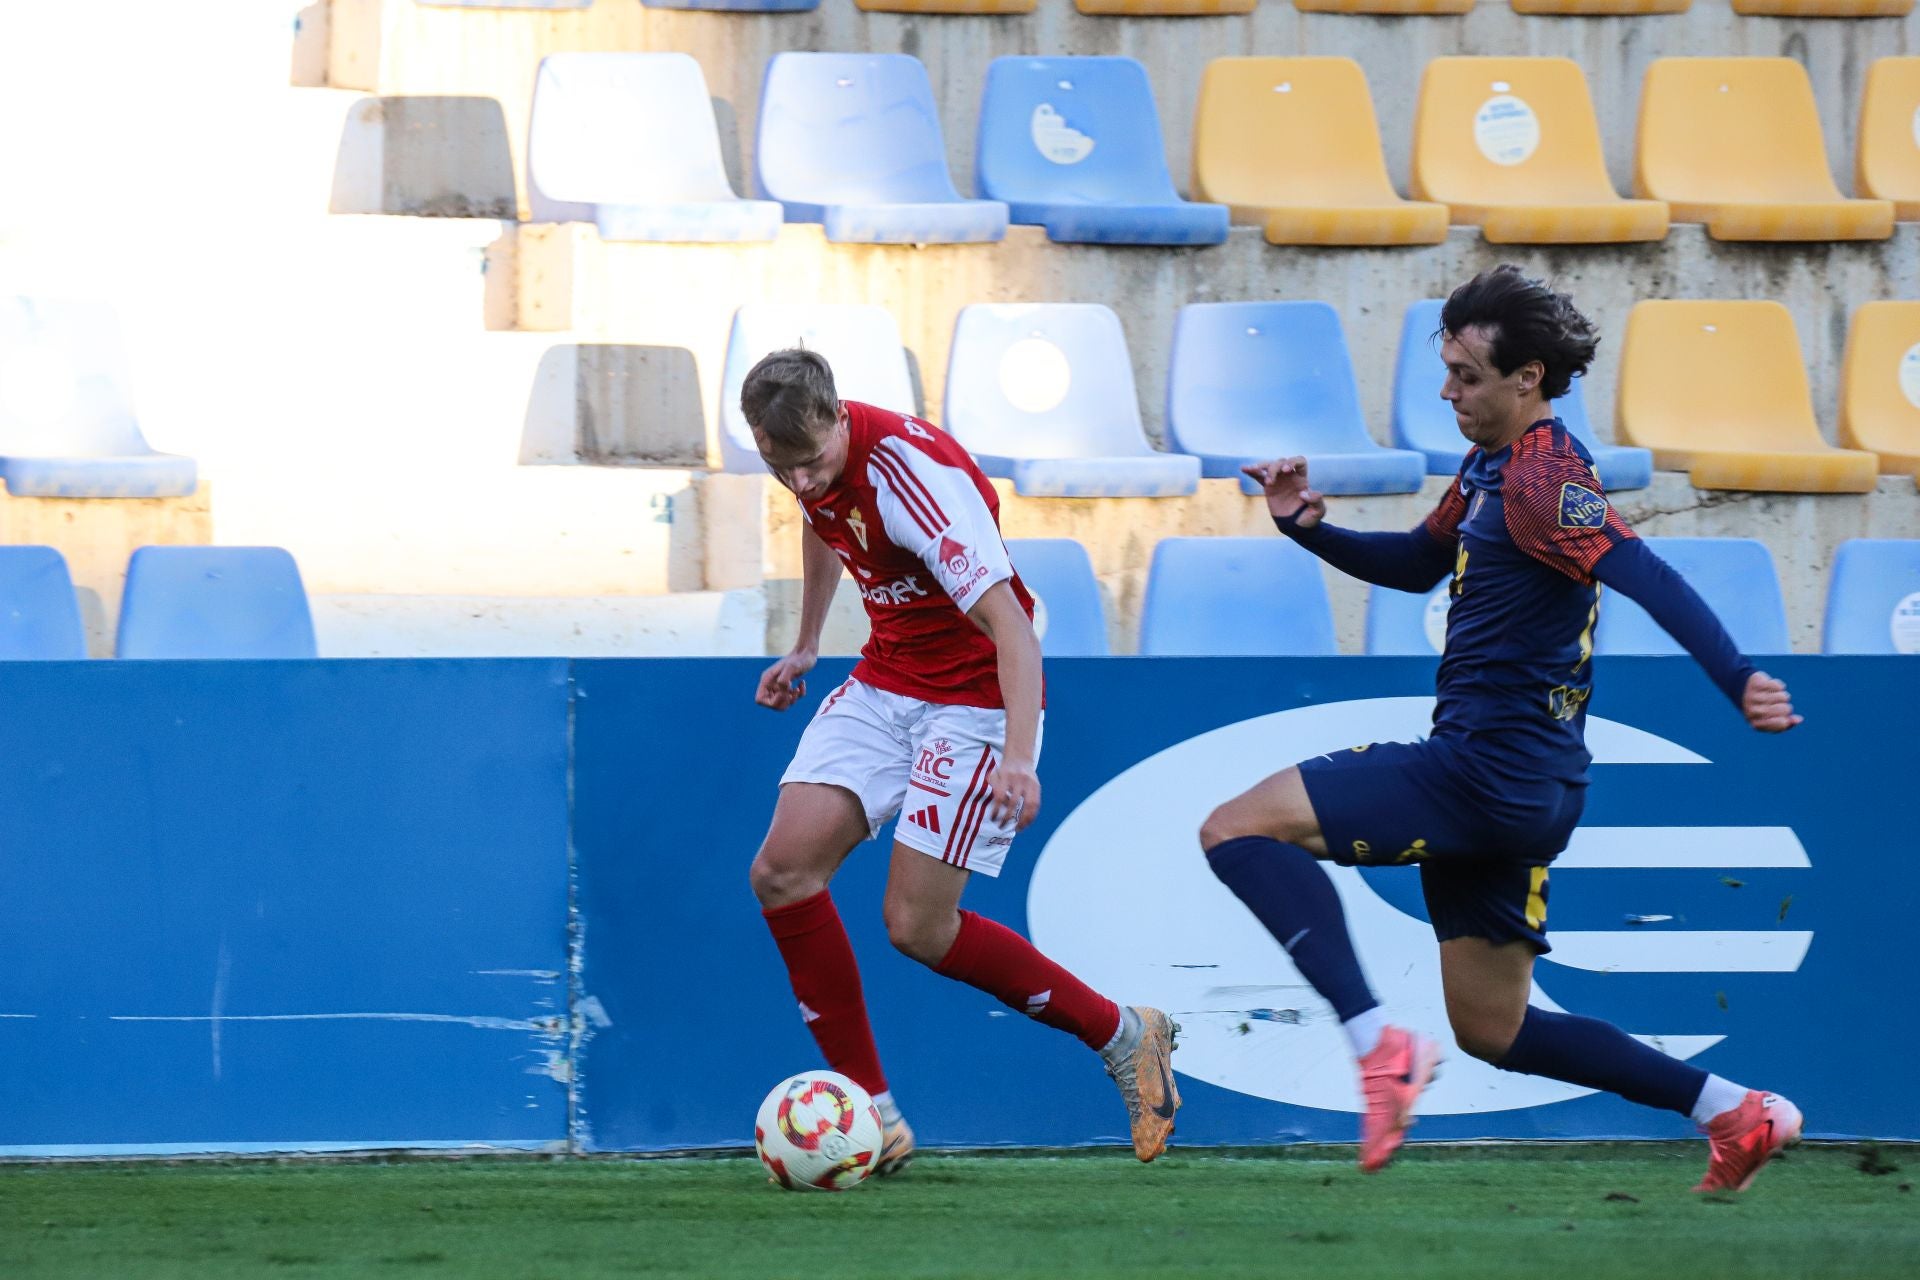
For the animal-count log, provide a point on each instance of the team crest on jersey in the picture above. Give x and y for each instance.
(955, 557)
(1581, 507)
(858, 524)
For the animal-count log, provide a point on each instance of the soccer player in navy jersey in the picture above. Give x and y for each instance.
(1485, 803)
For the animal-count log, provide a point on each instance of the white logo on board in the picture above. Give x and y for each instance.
(1126, 865)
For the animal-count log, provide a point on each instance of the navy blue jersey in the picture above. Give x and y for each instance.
(1527, 524)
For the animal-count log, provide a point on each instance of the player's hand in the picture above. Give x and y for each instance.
(1285, 483)
(1016, 793)
(782, 685)
(1766, 705)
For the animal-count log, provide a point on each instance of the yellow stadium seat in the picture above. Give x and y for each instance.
(1383, 6)
(1880, 385)
(979, 8)
(1824, 8)
(1163, 8)
(1718, 390)
(1886, 163)
(1291, 144)
(1735, 143)
(1600, 8)
(1511, 144)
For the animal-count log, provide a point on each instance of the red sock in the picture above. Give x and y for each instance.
(1007, 967)
(826, 981)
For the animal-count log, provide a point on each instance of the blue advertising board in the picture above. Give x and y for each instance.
(282, 905)
(1739, 899)
(328, 905)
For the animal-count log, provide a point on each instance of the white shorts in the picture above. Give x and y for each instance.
(930, 759)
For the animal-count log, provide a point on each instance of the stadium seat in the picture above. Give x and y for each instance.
(1235, 596)
(1163, 8)
(67, 428)
(1887, 156)
(39, 616)
(1600, 8)
(214, 602)
(1735, 576)
(1735, 143)
(979, 8)
(1423, 421)
(1073, 145)
(861, 342)
(627, 141)
(1291, 145)
(1880, 385)
(1824, 8)
(737, 6)
(1043, 394)
(1873, 597)
(1067, 612)
(1719, 390)
(1391, 7)
(1511, 145)
(852, 141)
(1408, 622)
(1251, 381)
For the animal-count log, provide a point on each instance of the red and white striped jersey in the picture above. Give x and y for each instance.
(918, 526)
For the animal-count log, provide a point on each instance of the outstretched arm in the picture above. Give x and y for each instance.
(1633, 569)
(1410, 561)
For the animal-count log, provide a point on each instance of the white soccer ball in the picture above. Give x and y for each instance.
(818, 1131)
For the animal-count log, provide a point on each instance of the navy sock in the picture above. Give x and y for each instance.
(1287, 889)
(1599, 1055)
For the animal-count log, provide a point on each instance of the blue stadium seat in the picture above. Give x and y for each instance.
(1423, 421)
(1735, 576)
(1067, 610)
(214, 602)
(1405, 622)
(1259, 380)
(1073, 145)
(852, 141)
(1235, 596)
(67, 428)
(627, 141)
(39, 617)
(1043, 394)
(1873, 598)
(860, 340)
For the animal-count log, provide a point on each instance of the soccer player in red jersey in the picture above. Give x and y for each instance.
(941, 718)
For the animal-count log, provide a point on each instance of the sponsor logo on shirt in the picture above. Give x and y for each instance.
(899, 591)
(1581, 507)
(956, 557)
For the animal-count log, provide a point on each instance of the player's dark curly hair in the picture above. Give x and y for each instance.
(789, 396)
(1526, 320)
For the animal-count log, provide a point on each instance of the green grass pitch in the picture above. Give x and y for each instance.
(1579, 1212)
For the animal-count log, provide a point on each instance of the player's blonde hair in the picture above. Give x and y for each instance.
(788, 397)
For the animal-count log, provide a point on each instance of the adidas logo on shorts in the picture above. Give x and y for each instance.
(928, 818)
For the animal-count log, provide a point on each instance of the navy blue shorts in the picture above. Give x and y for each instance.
(1482, 840)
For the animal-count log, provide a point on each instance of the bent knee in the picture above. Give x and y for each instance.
(777, 883)
(916, 934)
(1487, 1040)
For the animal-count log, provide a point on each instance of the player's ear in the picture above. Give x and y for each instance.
(1530, 375)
